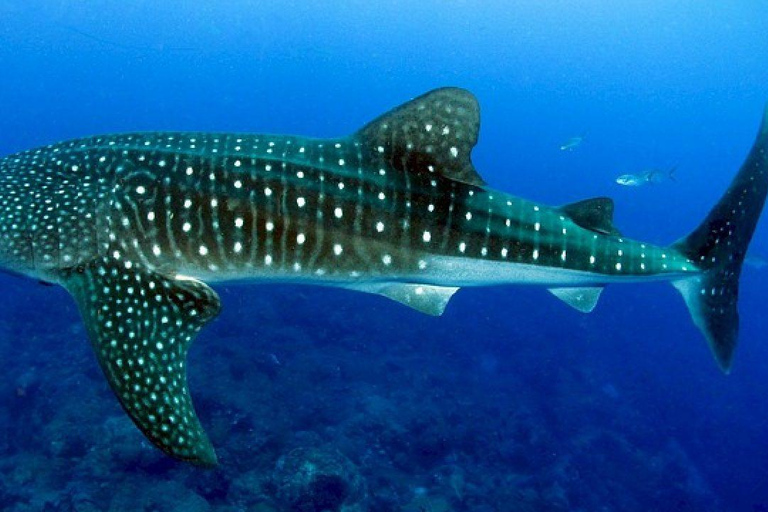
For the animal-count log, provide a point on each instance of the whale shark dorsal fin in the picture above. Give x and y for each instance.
(432, 133)
(595, 214)
(141, 324)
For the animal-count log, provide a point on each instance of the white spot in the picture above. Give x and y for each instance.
(462, 247)
(301, 238)
(564, 255)
(140, 190)
(591, 260)
(341, 161)
(267, 191)
(203, 250)
(618, 266)
(270, 226)
(338, 249)
(267, 260)
(151, 216)
(301, 202)
(427, 236)
(186, 227)
(380, 227)
(535, 254)
(156, 250)
(238, 184)
(382, 196)
(187, 203)
(338, 212)
(386, 259)
(239, 222)
(238, 247)
(469, 215)
(422, 264)
(454, 151)
(504, 252)
(537, 226)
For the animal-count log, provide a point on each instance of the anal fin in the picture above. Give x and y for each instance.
(581, 299)
(141, 325)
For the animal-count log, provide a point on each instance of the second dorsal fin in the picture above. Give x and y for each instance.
(595, 214)
(432, 133)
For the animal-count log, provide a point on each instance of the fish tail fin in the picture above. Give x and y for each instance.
(718, 246)
(672, 173)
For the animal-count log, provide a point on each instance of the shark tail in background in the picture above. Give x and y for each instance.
(718, 246)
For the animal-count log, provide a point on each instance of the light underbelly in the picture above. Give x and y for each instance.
(439, 271)
(455, 271)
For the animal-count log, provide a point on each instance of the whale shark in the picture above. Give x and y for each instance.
(137, 226)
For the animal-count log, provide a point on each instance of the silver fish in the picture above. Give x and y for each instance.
(756, 261)
(648, 177)
(573, 143)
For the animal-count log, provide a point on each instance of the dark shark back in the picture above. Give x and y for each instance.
(719, 245)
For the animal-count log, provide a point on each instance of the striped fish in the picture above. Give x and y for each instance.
(135, 225)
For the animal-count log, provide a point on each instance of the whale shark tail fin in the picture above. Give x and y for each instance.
(719, 245)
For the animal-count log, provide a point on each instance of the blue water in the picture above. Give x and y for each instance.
(510, 401)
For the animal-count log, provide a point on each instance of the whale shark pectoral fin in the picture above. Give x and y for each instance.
(581, 299)
(141, 325)
(428, 299)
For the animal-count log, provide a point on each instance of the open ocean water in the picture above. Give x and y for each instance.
(325, 400)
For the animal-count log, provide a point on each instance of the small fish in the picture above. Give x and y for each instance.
(573, 143)
(649, 177)
(756, 261)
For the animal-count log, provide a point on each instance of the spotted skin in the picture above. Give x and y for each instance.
(133, 225)
(142, 324)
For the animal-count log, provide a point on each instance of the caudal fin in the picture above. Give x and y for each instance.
(719, 246)
(672, 173)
